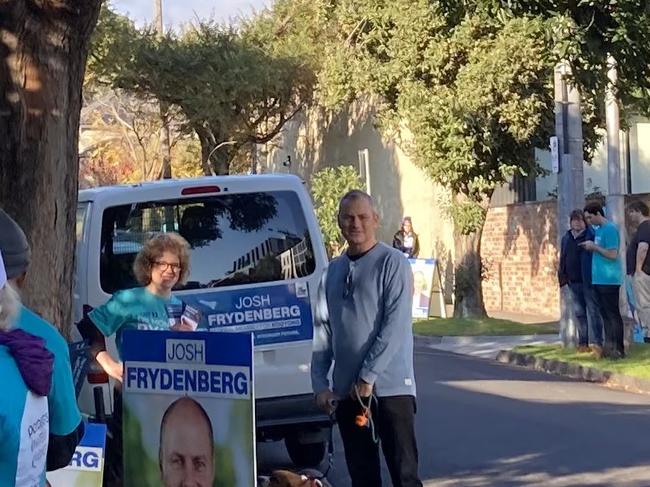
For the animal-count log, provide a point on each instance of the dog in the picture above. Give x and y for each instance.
(285, 478)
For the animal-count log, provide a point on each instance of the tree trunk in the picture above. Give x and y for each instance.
(468, 273)
(43, 49)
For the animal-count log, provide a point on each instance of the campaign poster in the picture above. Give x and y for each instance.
(79, 361)
(188, 410)
(274, 314)
(423, 272)
(86, 468)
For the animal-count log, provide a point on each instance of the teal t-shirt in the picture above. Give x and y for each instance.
(132, 309)
(64, 412)
(23, 429)
(606, 271)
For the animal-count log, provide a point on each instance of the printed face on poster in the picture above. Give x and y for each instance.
(86, 468)
(423, 272)
(188, 409)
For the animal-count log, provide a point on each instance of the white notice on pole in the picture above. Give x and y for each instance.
(555, 155)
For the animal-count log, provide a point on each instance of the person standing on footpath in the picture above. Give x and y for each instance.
(637, 261)
(406, 240)
(575, 271)
(365, 329)
(607, 277)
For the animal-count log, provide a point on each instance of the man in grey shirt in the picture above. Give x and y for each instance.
(365, 329)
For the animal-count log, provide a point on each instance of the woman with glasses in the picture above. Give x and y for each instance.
(161, 264)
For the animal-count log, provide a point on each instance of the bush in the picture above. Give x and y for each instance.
(328, 186)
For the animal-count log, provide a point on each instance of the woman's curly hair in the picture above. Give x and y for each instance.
(153, 250)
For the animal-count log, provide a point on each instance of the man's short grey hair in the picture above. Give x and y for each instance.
(357, 194)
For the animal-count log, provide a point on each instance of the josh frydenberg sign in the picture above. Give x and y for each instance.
(188, 409)
(86, 468)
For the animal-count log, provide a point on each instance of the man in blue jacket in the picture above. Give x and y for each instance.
(366, 330)
(575, 271)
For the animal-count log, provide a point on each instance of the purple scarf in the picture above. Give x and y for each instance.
(34, 361)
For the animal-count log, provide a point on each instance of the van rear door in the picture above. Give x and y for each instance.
(254, 267)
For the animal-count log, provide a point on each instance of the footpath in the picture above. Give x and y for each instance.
(500, 348)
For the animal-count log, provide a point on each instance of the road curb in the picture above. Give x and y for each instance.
(575, 371)
(426, 340)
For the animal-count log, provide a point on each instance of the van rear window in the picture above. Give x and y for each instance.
(234, 238)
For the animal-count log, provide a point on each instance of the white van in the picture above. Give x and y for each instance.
(250, 236)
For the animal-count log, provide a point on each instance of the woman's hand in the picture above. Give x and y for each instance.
(111, 367)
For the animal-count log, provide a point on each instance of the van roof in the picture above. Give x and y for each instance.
(237, 183)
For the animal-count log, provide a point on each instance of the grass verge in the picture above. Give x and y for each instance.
(480, 326)
(635, 364)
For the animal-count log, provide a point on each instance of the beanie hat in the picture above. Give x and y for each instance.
(14, 246)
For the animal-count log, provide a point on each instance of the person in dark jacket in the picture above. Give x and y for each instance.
(406, 240)
(575, 272)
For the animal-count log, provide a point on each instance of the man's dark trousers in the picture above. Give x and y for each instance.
(395, 425)
(614, 332)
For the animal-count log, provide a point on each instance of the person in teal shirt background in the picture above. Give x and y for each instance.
(66, 425)
(162, 263)
(26, 370)
(607, 277)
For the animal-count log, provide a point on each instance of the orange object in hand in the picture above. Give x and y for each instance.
(362, 419)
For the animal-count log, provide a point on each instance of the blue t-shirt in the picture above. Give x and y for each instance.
(132, 309)
(64, 412)
(23, 429)
(606, 271)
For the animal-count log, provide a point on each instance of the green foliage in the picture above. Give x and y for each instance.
(473, 81)
(474, 92)
(328, 186)
(585, 32)
(233, 89)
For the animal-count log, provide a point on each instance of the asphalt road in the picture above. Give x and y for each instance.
(481, 423)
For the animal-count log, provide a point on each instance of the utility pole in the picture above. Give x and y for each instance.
(165, 143)
(570, 178)
(615, 197)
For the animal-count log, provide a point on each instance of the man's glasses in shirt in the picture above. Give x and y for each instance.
(348, 286)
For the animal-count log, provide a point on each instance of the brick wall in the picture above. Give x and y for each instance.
(520, 252)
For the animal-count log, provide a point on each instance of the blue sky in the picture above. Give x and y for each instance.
(180, 11)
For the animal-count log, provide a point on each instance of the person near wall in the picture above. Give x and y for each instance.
(364, 327)
(638, 260)
(575, 272)
(66, 425)
(406, 240)
(607, 277)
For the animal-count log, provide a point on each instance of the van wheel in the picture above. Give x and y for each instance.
(309, 455)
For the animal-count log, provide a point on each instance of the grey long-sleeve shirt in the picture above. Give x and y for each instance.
(364, 324)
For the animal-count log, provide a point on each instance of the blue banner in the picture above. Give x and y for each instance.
(199, 347)
(188, 396)
(274, 314)
(87, 464)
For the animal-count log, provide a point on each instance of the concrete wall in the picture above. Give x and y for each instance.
(319, 139)
(595, 174)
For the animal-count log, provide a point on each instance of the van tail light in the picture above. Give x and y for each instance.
(200, 190)
(96, 374)
(98, 377)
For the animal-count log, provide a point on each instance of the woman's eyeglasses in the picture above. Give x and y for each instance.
(163, 266)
